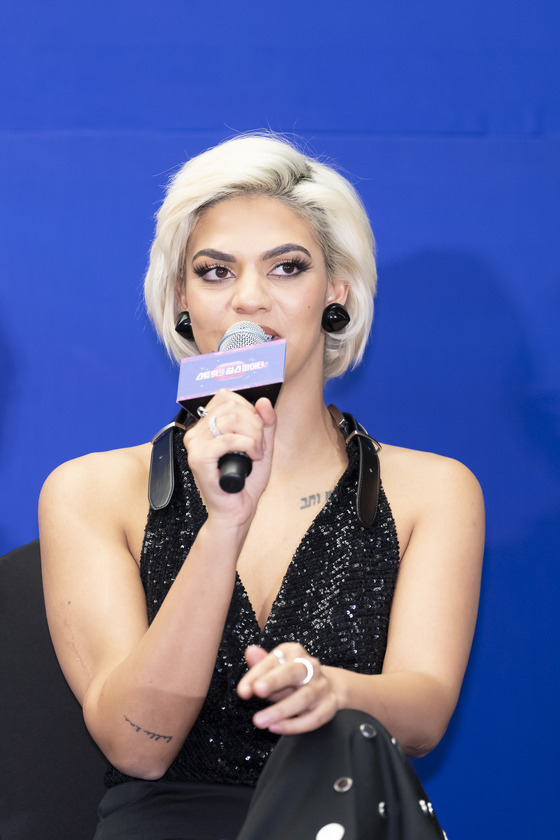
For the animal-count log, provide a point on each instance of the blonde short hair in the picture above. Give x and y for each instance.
(264, 164)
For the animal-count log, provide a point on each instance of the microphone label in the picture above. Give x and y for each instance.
(254, 371)
(232, 370)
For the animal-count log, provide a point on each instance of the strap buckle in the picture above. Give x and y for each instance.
(364, 434)
(171, 425)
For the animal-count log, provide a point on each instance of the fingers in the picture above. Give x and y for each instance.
(299, 690)
(245, 688)
(294, 673)
(266, 678)
(303, 710)
(264, 408)
(230, 423)
(254, 655)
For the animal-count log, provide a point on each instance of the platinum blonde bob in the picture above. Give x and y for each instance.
(264, 164)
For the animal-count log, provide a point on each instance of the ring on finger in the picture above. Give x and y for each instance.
(213, 428)
(279, 656)
(310, 669)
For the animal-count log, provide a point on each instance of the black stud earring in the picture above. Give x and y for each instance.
(335, 318)
(184, 327)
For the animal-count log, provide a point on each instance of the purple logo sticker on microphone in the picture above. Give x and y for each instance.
(231, 370)
(254, 371)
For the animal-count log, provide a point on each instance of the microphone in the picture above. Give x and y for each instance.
(249, 362)
(243, 334)
(234, 467)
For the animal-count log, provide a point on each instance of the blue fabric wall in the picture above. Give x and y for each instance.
(446, 116)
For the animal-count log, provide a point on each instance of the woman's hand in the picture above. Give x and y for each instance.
(242, 427)
(301, 694)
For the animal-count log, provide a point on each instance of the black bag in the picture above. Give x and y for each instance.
(348, 780)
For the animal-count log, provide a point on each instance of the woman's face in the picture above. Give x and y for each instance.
(254, 259)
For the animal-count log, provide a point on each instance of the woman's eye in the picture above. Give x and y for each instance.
(290, 268)
(217, 272)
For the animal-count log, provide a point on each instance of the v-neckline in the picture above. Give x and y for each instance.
(262, 631)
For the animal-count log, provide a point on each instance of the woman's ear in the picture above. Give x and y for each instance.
(181, 295)
(337, 292)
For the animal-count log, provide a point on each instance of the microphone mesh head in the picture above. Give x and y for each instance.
(242, 334)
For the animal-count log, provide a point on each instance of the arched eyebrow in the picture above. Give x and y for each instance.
(214, 255)
(284, 249)
(278, 251)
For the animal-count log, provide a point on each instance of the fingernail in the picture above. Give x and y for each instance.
(261, 719)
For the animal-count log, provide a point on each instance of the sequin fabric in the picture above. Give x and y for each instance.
(335, 600)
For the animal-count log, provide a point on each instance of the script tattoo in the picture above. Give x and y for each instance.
(153, 736)
(314, 499)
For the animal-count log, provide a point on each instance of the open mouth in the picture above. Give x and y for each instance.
(271, 334)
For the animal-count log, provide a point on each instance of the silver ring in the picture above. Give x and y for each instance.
(213, 428)
(310, 669)
(201, 411)
(279, 655)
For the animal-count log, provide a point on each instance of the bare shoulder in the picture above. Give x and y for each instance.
(420, 485)
(107, 489)
(412, 465)
(100, 473)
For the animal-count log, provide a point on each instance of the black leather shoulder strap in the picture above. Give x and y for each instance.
(369, 479)
(162, 475)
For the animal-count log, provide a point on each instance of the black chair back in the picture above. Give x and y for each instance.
(51, 771)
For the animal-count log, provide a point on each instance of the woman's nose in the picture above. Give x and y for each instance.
(250, 293)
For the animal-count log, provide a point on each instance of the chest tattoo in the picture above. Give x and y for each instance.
(314, 499)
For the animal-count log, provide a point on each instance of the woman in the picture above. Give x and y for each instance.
(194, 641)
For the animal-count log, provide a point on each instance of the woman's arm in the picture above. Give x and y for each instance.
(431, 625)
(142, 686)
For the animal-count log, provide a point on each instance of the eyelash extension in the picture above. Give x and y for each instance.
(201, 270)
(298, 262)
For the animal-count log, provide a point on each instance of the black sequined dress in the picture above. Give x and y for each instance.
(335, 600)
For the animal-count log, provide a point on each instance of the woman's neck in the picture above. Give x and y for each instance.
(306, 431)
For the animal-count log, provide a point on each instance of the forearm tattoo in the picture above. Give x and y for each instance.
(153, 736)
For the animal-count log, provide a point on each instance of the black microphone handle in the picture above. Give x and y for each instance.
(234, 468)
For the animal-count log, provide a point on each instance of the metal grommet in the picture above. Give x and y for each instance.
(382, 808)
(331, 831)
(367, 730)
(343, 784)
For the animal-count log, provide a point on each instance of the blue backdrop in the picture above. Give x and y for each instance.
(446, 117)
